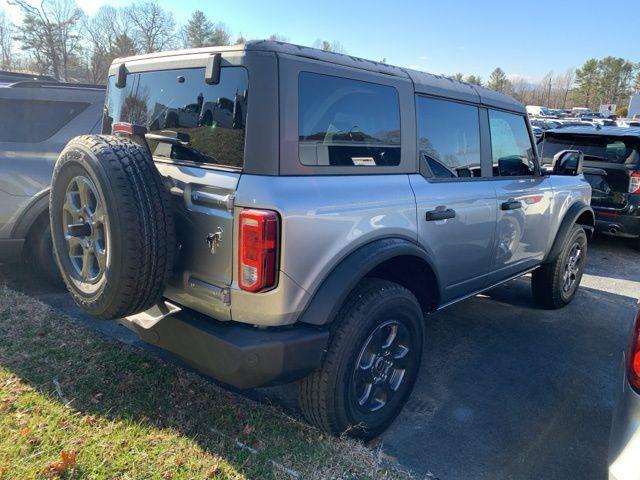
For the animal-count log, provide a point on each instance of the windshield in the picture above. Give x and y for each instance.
(595, 148)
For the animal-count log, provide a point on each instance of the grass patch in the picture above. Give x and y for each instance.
(76, 405)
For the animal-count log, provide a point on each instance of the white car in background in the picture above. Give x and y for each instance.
(624, 444)
(628, 122)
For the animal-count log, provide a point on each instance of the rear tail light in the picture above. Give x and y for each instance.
(634, 183)
(122, 127)
(258, 245)
(633, 355)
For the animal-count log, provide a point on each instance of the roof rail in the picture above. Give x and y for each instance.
(7, 75)
(56, 84)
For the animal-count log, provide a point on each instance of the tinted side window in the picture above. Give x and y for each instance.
(346, 122)
(511, 146)
(26, 121)
(208, 120)
(449, 138)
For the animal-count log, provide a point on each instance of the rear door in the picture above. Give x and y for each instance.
(610, 160)
(456, 205)
(524, 196)
(201, 163)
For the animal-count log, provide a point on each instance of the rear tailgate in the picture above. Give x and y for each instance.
(200, 159)
(609, 184)
(203, 209)
(610, 161)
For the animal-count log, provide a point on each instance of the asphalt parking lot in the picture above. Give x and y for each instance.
(506, 390)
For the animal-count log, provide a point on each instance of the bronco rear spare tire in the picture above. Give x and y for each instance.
(111, 225)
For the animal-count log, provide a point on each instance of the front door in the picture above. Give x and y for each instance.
(456, 205)
(524, 197)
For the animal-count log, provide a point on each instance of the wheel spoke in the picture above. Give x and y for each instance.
(83, 190)
(393, 333)
(379, 397)
(395, 379)
(101, 257)
(400, 353)
(366, 394)
(366, 360)
(86, 259)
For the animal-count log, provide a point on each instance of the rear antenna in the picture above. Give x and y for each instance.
(121, 81)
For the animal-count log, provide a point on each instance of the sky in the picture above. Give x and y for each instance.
(525, 39)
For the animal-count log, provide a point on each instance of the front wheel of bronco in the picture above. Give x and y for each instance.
(555, 284)
(371, 364)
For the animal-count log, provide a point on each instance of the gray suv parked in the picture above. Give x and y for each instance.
(38, 116)
(305, 228)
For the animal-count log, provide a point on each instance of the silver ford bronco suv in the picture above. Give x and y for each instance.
(270, 213)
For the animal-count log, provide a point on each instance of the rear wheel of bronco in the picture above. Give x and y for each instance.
(371, 364)
(111, 225)
(555, 284)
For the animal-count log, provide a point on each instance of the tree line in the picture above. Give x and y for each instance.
(597, 82)
(57, 38)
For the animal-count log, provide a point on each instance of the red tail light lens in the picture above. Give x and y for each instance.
(634, 183)
(121, 127)
(633, 355)
(258, 245)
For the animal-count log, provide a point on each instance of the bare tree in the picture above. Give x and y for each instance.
(153, 27)
(328, 46)
(109, 34)
(6, 42)
(276, 37)
(49, 33)
(566, 84)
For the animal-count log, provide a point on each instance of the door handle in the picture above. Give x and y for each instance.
(511, 205)
(434, 215)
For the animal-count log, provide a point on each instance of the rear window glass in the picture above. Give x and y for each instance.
(343, 122)
(25, 121)
(202, 123)
(595, 147)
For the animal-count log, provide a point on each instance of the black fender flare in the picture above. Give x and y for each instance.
(334, 289)
(570, 218)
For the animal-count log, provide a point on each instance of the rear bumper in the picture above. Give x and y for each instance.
(10, 250)
(239, 355)
(616, 223)
(624, 443)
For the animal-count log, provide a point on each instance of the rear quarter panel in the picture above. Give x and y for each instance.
(323, 219)
(567, 191)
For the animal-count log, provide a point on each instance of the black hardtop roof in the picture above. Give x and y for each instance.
(633, 132)
(423, 82)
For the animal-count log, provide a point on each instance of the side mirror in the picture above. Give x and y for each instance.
(568, 162)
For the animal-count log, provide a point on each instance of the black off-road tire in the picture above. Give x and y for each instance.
(39, 251)
(547, 281)
(326, 396)
(137, 228)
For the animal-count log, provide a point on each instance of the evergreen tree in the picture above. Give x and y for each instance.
(198, 31)
(499, 82)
